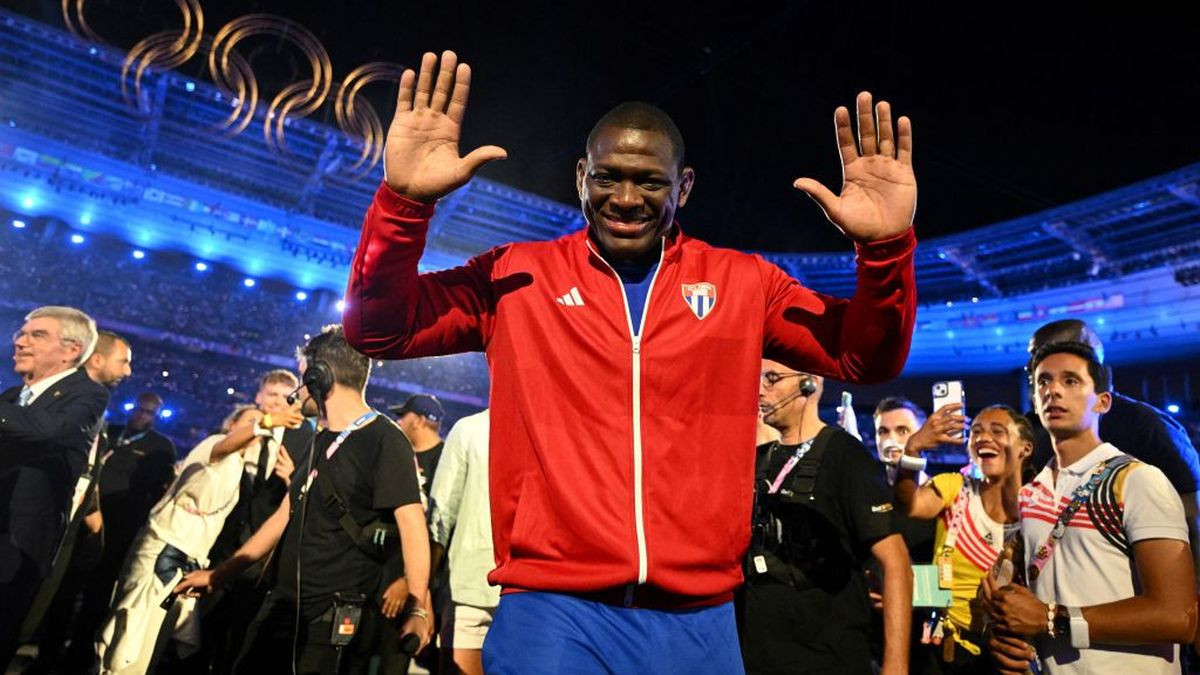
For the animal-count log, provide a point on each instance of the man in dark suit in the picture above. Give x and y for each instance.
(47, 426)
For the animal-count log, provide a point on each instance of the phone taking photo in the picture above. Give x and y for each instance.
(945, 393)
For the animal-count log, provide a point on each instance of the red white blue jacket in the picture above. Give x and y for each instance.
(622, 461)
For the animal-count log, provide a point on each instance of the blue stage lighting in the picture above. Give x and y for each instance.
(128, 407)
(166, 413)
(19, 224)
(248, 282)
(77, 239)
(190, 86)
(201, 267)
(340, 305)
(301, 295)
(139, 254)
(29, 201)
(1173, 408)
(85, 219)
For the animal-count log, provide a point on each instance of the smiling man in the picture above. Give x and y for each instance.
(47, 425)
(624, 362)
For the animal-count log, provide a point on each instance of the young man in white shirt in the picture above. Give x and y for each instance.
(1111, 585)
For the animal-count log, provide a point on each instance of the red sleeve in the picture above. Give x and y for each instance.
(393, 311)
(864, 339)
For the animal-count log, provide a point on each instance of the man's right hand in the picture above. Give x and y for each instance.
(291, 418)
(944, 427)
(199, 582)
(421, 159)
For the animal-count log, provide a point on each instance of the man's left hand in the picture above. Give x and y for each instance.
(284, 466)
(879, 189)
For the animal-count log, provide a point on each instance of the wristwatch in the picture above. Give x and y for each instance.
(1079, 629)
(1059, 621)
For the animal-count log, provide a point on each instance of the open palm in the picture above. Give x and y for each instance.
(421, 157)
(879, 189)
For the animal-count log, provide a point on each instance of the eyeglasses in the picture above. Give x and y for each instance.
(771, 378)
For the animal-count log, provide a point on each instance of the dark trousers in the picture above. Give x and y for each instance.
(27, 544)
(275, 634)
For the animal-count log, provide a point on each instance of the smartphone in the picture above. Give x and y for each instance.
(948, 392)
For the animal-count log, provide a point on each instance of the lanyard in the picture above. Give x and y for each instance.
(1078, 499)
(337, 443)
(799, 454)
(122, 441)
(958, 513)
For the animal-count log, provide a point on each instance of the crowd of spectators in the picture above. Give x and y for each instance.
(201, 346)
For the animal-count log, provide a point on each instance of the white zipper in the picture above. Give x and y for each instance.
(636, 343)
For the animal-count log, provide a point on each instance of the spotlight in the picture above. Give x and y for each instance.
(128, 407)
(248, 282)
(77, 239)
(1173, 408)
(85, 219)
(19, 224)
(190, 86)
(166, 373)
(340, 305)
(229, 391)
(201, 267)
(301, 295)
(138, 254)
(166, 413)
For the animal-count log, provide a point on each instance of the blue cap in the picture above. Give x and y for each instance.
(420, 404)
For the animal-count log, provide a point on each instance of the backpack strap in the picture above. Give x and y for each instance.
(1107, 512)
(803, 481)
(377, 538)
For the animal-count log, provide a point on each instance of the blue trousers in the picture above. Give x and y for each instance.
(535, 633)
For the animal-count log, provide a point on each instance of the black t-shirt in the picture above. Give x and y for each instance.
(374, 473)
(1143, 431)
(819, 622)
(428, 462)
(138, 467)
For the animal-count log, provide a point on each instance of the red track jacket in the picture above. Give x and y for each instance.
(622, 461)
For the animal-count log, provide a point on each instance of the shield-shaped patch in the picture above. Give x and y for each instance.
(700, 298)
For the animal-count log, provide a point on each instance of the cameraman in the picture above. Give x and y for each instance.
(328, 587)
(822, 508)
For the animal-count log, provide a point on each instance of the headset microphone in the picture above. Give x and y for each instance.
(808, 387)
(294, 396)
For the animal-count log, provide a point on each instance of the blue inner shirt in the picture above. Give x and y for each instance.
(636, 277)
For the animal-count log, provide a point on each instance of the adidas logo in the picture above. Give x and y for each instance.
(570, 299)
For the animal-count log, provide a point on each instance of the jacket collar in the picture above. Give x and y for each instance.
(674, 248)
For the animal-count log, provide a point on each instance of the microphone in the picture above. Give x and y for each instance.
(807, 387)
(294, 396)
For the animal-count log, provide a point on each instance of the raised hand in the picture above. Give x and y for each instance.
(421, 159)
(944, 427)
(879, 190)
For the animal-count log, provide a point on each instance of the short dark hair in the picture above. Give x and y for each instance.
(105, 341)
(150, 397)
(1096, 369)
(350, 368)
(644, 116)
(900, 403)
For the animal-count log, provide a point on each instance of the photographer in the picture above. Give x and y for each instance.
(330, 564)
(822, 508)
